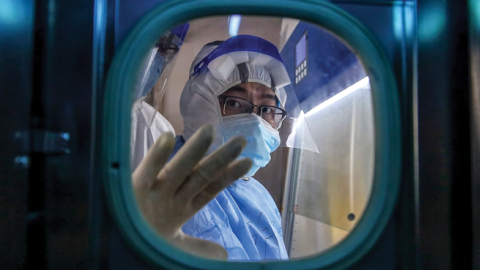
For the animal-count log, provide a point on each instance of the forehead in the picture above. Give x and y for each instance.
(251, 88)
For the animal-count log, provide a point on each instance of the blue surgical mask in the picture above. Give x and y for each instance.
(262, 138)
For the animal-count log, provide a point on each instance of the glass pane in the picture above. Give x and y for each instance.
(311, 190)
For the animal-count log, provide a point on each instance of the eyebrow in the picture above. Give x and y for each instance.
(244, 91)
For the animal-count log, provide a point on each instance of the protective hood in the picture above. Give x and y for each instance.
(222, 69)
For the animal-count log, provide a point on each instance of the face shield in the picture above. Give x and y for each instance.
(157, 66)
(247, 58)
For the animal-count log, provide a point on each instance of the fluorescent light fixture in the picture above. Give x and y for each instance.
(356, 86)
(234, 24)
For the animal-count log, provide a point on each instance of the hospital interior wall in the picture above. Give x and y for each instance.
(288, 26)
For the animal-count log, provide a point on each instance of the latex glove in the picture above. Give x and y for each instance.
(168, 195)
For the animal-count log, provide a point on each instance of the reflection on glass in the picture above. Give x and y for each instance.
(321, 176)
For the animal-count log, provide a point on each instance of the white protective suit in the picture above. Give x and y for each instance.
(147, 125)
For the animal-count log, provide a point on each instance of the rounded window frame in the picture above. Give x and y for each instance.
(117, 127)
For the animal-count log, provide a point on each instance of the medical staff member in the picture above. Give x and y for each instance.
(237, 89)
(147, 123)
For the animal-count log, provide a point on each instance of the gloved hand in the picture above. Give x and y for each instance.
(168, 195)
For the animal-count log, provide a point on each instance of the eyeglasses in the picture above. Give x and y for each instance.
(235, 105)
(166, 47)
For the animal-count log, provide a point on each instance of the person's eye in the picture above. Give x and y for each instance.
(233, 104)
(267, 110)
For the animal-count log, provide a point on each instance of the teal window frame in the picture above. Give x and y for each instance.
(117, 120)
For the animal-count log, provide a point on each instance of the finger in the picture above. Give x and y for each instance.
(236, 170)
(175, 172)
(209, 168)
(145, 174)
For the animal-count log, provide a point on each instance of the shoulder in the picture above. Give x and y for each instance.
(142, 113)
(162, 124)
(267, 196)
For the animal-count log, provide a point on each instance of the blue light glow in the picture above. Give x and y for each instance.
(9, 13)
(65, 136)
(432, 22)
(474, 7)
(403, 21)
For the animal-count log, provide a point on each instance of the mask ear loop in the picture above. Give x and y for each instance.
(275, 90)
(224, 105)
(281, 122)
(278, 105)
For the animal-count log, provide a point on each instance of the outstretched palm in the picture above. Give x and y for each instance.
(169, 194)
